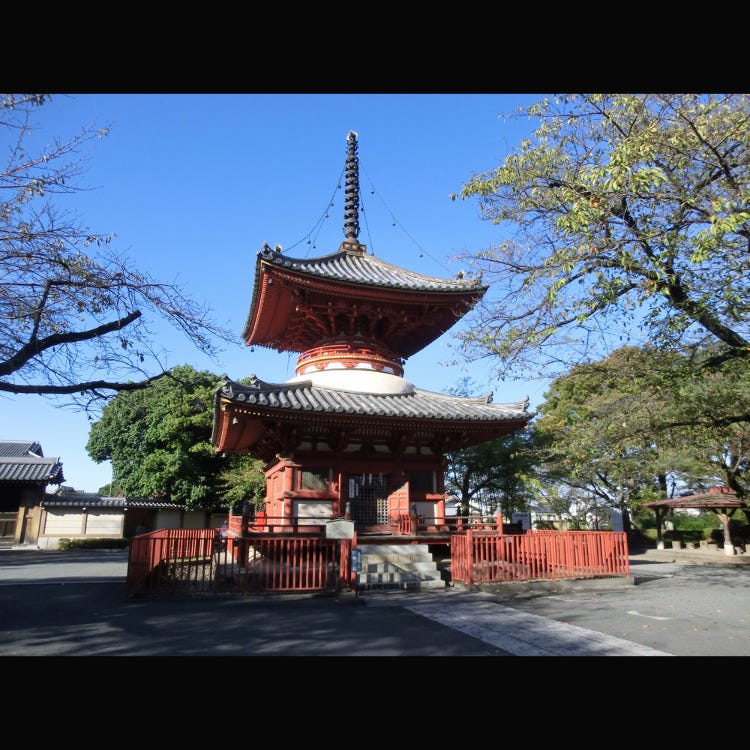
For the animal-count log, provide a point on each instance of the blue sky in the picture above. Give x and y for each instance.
(194, 184)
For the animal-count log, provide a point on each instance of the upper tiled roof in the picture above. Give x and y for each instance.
(357, 267)
(33, 470)
(419, 404)
(20, 448)
(299, 302)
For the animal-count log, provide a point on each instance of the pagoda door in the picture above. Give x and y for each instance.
(368, 499)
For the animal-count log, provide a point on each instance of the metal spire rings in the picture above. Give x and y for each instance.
(351, 190)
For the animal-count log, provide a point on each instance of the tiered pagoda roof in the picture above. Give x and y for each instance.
(354, 319)
(245, 414)
(299, 301)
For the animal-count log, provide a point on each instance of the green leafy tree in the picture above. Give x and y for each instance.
(643, 422)
(592, 435)
(159, 442)
(75, 315)
(491, 476)
(627, 220)
(703, 423)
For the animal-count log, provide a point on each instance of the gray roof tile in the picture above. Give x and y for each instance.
(34, 470)
(361, 268)
(20, 448)
(95, 501)
(420, 403)
(92, 500)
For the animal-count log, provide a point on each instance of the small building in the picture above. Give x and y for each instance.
(32, 516)
(25, 474)
(68, 514)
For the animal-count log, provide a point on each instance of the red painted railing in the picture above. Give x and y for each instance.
(278, 524)
(190, 561)
(153, 558)
(292, 563)
(486, 557)
(410, 523)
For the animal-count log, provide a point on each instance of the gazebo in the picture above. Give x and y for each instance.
(722, 501)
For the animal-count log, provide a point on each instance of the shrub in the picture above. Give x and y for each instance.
(92, 543)
(687, 527)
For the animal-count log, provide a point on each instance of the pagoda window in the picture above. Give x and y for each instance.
(382, 327)
(363, 325)
(313, 479)
(342, 323)
(421, 481)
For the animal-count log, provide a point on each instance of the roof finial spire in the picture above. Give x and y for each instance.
(351, 190)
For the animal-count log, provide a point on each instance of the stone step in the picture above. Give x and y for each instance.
(398, 566)
(397, 575)
(399, 582)
(408, 566)
(396, 559)
(392, 549)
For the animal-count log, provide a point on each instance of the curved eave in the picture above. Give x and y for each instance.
(359, 268)
(27, 470)
(348, 276)
(242, 412)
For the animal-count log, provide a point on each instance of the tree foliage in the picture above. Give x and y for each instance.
(159, 442)
(643, 422)
(592, 434)
(491, 476)
(75, 315)
(628, 220)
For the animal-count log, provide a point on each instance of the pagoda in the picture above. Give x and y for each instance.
(348, 435)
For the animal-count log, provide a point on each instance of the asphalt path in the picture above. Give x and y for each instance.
(685, 609)
(60, 604)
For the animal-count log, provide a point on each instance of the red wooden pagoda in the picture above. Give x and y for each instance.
(349, 435)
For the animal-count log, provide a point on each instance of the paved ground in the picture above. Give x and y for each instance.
(73, 604)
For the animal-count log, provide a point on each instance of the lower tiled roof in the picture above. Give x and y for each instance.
(419, 404)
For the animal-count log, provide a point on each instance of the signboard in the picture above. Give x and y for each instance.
(524, 519)
(617, 520)
(340, 528)
(356, 561)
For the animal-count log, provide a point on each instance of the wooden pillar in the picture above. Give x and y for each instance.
(659, 517)
(287, 486)
(725, 517)
(440, 511)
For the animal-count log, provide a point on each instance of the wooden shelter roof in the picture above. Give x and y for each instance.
(717, 497)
